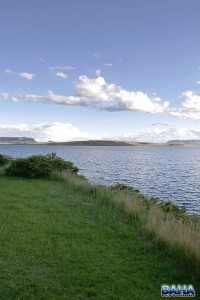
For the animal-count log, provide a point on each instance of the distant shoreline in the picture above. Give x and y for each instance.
(107, 143)
(91, 144)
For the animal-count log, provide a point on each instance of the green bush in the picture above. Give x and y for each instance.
(124, 187)
(59, 164)
(170, 207)
(5, 159)
(39, 166)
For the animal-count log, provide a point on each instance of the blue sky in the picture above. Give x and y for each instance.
(88, 69)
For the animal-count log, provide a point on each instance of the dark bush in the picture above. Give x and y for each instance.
(5, 159)
(124, 187)
(170, 207)
(60, 164)
(39, 166)
(167, 207)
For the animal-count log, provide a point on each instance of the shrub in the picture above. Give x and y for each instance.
(59, 164)
(170, 207)
(5, 159)
(124, 187)
(39, 166)
(167, 207)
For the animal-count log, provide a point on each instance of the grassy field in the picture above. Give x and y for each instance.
(65, 239)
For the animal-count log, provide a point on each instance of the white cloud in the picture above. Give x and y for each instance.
(14, 99)
(198, 82)
(51, 97)
(98, 72)
(61, 75)
(190, 107)
(160, 134)
(108, 64)
(58, 132)
(26, 75)
(4, 96)
(53, 68)
(55, 131)
(64, 131)
(97, 93)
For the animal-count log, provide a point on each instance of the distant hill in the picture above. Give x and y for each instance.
(17, 140)
(25, 140)
(92, 143)
(104, 143)
(184, 142)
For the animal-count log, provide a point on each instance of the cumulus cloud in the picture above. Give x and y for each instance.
(61, 75)
(55, 131)
(160, 134)
(58, 131)
(4, 96)
(96, 92)
(190, 107)
(26, 75)
(198, 82)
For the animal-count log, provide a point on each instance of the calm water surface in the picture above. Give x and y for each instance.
(165, 172)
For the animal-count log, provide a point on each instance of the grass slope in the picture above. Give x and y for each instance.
(60, 242)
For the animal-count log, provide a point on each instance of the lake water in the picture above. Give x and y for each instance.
(165, 172)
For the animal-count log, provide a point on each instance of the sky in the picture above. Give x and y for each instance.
(87, 69)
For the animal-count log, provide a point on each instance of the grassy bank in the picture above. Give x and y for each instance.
(62, 238)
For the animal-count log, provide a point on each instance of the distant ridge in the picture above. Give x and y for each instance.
(105, 143)
(17, 140)
(32, 141)
(184, 142)
(92, 143)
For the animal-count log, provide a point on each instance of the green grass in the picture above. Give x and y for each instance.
(66, 240)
